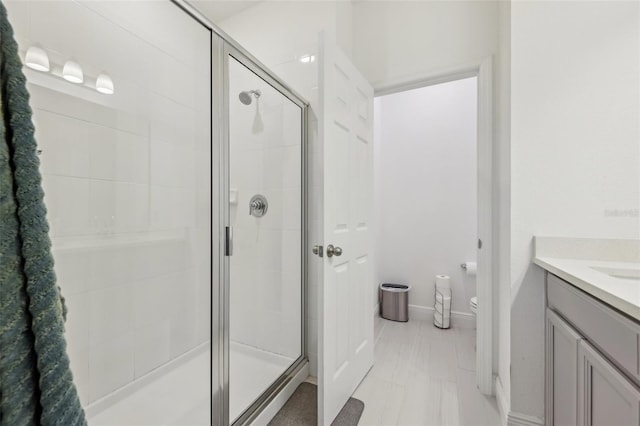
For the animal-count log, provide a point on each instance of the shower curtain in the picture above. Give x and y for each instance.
(36, 386)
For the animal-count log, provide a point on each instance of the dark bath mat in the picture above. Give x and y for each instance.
(302, 409)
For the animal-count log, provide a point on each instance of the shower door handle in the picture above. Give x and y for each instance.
(228, 241)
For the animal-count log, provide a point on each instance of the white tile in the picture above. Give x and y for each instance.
(422, 363)
(67, 202)
(79, 363)
(111, 266)
(72, 270)
(64, 142)
(292, 209)
(152, 300)
(132, 207)
(118, 155)
(111, 313)
(466, 348)
(292, 167)
(171, 207)
(183, 332)
(110, 365)
(151, 347)
(421, 402)
(449, 405)
(78, 319)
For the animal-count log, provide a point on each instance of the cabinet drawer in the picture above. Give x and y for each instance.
(608, 330)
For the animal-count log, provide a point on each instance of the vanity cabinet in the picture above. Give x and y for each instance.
(605, 396)
(592, 360)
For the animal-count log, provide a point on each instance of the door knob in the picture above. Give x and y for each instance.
(317, 250)
(333, 251)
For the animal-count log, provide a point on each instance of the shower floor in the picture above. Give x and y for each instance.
(181, 397)
(252, 371)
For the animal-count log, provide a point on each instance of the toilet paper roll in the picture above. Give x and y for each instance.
(472, 268)
(443, 282)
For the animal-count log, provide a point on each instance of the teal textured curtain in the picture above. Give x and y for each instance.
(36, 386)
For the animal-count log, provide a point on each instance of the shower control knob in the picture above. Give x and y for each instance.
(333, 251)
(258, 205)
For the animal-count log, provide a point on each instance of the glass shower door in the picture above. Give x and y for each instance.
(265, 179)
(122, 112)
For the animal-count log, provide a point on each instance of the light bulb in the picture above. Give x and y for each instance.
(104, 84)
(37, 59)
(72, 72)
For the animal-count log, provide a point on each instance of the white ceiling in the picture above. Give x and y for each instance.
(219, 10)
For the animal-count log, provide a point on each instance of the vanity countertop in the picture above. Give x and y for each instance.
(609, 270)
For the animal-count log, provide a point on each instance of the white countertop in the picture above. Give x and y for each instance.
(621, 293)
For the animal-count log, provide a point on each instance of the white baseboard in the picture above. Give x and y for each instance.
(519, 419)
(502, 401)
(283, 396)
(458, 319)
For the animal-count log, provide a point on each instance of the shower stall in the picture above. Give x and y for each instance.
(174, 169)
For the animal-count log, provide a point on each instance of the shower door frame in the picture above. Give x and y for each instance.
(231, 49)
(222, 46)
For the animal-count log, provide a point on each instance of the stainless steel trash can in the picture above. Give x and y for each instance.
(394, 301)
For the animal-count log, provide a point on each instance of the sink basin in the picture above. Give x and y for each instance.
(621, 273)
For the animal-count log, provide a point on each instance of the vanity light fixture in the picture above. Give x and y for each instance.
(104, 84)
(36, 58)
(72, 71)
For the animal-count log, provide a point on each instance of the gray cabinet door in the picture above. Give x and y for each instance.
(561, 371)
(605, 396)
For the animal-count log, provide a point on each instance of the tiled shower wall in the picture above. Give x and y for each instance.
(266, 282)
(126, 180)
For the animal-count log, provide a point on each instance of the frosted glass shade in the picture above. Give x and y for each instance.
(37, 59)
(104, 84)
(72, 72)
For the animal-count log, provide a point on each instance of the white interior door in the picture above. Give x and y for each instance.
(345, 348)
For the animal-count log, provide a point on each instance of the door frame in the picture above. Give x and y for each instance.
(483, 70)
(230, 50)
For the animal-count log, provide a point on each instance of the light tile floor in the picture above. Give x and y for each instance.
(424, 376)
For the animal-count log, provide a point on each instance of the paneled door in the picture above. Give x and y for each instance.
(346, 309)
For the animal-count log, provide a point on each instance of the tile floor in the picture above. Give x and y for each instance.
(424, 376)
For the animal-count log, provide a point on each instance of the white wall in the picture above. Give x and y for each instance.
(575, 120)
(426, 192)
(396, 41)
(125, 183)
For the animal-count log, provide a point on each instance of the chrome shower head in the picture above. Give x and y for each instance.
(245, 97)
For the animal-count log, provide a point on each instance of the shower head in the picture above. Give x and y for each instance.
(245, 97)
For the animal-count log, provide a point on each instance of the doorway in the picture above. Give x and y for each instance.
(485, 323)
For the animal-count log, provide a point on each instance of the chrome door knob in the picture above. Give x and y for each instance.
(333, 251)
(317, 250)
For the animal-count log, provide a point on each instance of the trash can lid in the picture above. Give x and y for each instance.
(394, 287)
